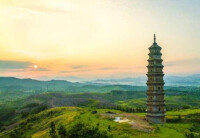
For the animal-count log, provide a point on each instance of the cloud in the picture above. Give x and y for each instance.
(79, 66)
(107, 68)
(43, 69)
(71, 71)
(39, 69)
(7, 64)
(85, 68)
(19, 66)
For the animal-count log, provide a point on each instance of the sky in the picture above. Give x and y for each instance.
(57, 39)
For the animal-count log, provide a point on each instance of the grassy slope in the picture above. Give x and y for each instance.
(183, 112)
(38, 125)
(179, 128)
(171, 102)
(118, 129)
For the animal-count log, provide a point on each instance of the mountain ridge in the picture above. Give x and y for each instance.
(170, 80)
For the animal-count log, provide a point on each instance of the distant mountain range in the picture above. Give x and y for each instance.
(99, 85)
(11, 84)
(192, 80)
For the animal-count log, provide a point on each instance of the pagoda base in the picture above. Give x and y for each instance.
(156, 119)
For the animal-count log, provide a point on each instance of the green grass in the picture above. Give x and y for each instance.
(166, 132)
(117, 129)
(140, 114)
(172, 102)
(180, 128)
(40, 122)
(133, 103)
(183, 112)
(176, 113)
(38, 125)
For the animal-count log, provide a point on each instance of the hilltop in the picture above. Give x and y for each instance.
(39, 125)
(87, 122)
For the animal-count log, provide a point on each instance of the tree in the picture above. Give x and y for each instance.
(85, 130)
(62, 131)
(109, 128)
(52, 131)
(179, 117)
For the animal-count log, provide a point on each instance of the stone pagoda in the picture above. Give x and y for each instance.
(155, 84)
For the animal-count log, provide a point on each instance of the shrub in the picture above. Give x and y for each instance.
(52, 131)
(62, 131)
(83, 130)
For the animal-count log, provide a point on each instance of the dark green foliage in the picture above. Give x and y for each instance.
(31, 105)
(6, 116)
(62, 131)
(190, 135)
(52, 131)
(24, 114)
(179, 117)
(194, 119)
(39, 108)
(1, 126)
(195, 129)
(109, 128)
(17, 133)
(126, 109)
(82, 130)
(174, 120)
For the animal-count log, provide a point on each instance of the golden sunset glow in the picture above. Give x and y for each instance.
(95, 38)
(35, 66)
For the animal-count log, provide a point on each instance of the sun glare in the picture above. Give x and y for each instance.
(35, 66)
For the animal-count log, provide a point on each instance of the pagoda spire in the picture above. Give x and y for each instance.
(155, 38)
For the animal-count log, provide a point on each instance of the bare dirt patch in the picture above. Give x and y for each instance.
(135, 121)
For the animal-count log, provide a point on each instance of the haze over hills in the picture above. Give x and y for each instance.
(13, 88)
(191, 80)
